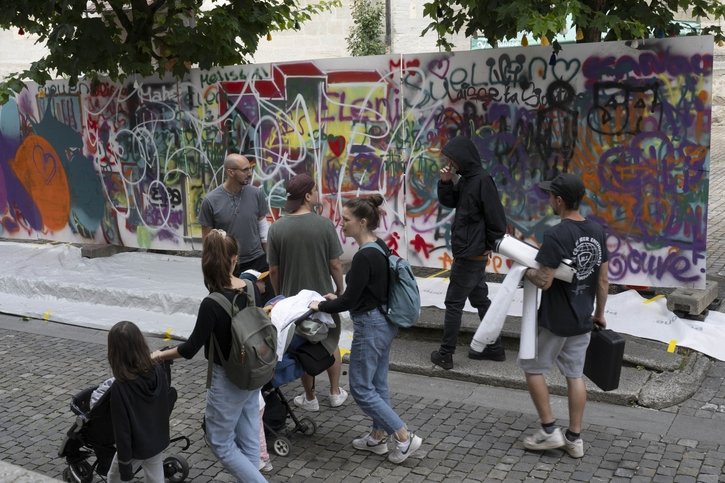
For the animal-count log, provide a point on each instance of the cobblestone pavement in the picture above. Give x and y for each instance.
(464, 439)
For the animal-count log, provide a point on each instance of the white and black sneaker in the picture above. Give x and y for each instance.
(368, 443)
(403, 449)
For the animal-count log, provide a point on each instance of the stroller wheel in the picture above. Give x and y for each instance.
(67, 477)
(176, 469)
(80, 472)
(307, 426)
(281, 446)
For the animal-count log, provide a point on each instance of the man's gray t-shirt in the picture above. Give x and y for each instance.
(238, 215)
(302, 246)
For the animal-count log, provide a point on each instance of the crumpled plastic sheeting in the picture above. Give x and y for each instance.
(627, 312)
(160, 293)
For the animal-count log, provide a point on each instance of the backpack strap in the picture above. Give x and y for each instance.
(231, 309)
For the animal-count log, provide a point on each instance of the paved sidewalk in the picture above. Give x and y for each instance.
(471, 432)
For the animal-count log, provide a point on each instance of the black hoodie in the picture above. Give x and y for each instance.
(480, 219)
(140, 412)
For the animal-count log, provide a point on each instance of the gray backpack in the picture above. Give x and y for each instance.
(253, 355)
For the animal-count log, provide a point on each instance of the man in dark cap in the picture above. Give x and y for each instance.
(478, 223)
(565, 316)
(304, 251)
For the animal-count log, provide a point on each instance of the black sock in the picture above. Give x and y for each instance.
(571, 435)
(549, 427)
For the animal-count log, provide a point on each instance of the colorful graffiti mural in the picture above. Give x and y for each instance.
(129, 164)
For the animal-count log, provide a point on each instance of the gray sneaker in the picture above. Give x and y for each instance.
(574, 448)
(401, 453)
(541, 440)
(368, 443)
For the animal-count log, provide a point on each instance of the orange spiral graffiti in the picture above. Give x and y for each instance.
(39, 169)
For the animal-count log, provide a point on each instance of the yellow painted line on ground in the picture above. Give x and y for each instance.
(656, 297)
(438, 273)
(672, 346)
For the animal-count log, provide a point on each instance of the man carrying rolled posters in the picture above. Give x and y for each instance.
(565, 316)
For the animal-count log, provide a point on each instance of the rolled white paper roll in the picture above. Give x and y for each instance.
(525, 254)
(527, 343)
(492, 323)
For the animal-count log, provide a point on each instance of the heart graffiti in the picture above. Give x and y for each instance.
(337, 144)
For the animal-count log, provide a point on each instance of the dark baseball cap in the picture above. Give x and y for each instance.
(569, 186)
(297, 188)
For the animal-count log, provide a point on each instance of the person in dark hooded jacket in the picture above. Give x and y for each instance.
(478, 223)
(140, 406)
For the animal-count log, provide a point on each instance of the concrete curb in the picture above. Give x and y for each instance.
(670, 388)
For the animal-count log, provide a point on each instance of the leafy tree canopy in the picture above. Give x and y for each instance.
(620, 19)
(366, 34)
(116, 38)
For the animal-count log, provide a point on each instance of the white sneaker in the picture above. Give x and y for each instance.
(338, 399)
(574, 448)
(302, 402)
(403, 449)
(368, 443)
(265, 466)
(542, 440)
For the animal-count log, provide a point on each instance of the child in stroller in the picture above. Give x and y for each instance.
(92, 435)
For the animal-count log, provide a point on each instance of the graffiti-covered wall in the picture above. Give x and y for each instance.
(129, 164)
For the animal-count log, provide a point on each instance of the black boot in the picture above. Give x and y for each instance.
(492, 352)
(444, 361)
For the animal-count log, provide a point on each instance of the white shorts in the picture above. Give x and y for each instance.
(569, 354)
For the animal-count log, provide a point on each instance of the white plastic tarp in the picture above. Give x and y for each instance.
(161, 293)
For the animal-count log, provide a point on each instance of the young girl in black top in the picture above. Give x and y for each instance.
(367, 289)
(140, 406)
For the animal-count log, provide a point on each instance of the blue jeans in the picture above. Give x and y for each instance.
(232, 427)
(467, 281)
(369, 359)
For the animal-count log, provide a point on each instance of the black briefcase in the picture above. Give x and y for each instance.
(603, 364)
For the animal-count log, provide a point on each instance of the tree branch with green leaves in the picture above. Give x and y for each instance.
(498, 20)
(118, 38)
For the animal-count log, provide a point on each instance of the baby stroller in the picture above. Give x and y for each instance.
(92, 435)
(277, 408)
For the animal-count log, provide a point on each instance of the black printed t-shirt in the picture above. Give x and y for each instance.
(566, 308)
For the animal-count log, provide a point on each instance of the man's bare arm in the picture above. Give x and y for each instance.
(205, 231)
(274, 278)
(336, 272)
(602, 292)
(541, 277)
